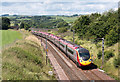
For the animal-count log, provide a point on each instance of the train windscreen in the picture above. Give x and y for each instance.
(84, 56)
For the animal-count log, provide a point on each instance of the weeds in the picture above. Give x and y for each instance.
(25, 61)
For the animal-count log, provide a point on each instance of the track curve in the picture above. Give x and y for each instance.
(72, 71)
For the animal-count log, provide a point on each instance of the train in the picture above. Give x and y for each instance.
(78, 54)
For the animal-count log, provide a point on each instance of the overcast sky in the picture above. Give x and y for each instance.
(56, 7)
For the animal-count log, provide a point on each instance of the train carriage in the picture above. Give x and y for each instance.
(62, 46)
(78, 54)
(40, 34)
(57, 41)
(48, 36)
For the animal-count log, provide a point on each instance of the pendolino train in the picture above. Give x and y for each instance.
(77, 53)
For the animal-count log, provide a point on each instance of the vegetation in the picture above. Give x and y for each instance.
(108, 55)
(98, 26)
(25, 60)
(88, 28)
(5, 23)
(9, 36)
(116, 62)
(68, 19)
(62, 30)
(27, 22)
(111, 64)
(62, 24)
(24, 25)
(99, 55)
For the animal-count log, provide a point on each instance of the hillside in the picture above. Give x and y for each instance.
(95, 25)
(68, 19)
(34, 21)
(25, 60)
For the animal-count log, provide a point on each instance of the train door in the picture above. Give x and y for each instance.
(54, 40)
(70, 52)
(75, 56)
(66, 50)
(59, 44)
(62, 46)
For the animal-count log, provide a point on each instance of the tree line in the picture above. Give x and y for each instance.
(97, 25)
(34, 22)
(44, 22)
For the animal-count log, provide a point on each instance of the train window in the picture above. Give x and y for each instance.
(70, 51)
(62, 45)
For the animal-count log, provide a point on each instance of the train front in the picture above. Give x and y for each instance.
(84, 58)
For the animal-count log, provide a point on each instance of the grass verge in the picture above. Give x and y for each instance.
(25, 60)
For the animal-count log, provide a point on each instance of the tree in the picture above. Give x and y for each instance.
(26, 26)
(98, 26)
(22, 25)
(81, 25)
(62, 24)
(75, 15)
(112, 37)
(5, 23)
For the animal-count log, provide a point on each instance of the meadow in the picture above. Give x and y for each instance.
(67, 19)
(9, 36)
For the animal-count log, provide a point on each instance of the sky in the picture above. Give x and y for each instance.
(56, 7)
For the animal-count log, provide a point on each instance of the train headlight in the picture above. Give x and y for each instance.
(90, 60)
(80, 60)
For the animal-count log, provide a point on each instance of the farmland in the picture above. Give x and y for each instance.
(67, 19)
(9, 36)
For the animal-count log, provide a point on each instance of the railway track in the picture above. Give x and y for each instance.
(69, 67)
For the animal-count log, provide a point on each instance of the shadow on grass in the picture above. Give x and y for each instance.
(90, 67)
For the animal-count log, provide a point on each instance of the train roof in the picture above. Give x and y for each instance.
(83, 50)
(70, 44)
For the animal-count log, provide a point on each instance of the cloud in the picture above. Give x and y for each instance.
(59, 0)
(57, 7)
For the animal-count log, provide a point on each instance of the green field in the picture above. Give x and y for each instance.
(67, 19)
(9, 36)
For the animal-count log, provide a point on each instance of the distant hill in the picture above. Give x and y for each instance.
(5, 15)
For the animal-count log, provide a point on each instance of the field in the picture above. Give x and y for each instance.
(9, 36)
(67, 19)
(25, 60)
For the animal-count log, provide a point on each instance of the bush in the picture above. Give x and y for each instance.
(62, 30)
(108, 55)
(62, 24)
(29, 30)
(49, 30)
(98, 45)
(116, 62)
(99, 55)
(76, 42)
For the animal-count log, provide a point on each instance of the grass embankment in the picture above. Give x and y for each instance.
(94, 49)
(25, 60)
(9, 36)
